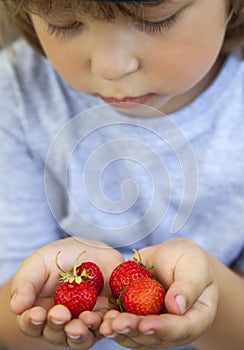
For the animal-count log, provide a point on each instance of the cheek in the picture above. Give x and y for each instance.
(185, 66)
(67, 60)
(63, 60)
(185, 60)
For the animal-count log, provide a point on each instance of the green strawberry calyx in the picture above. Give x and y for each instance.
(72, 276)
(119, 300)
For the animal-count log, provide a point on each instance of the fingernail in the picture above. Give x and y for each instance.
(125, 331)
(36, 323)
(57, 323)
(181, 303)
(149, 333)
(13, 298)
(113, 335)
(74, 337)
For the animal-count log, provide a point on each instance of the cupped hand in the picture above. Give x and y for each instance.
(191, 300)
(56, 326)
(34, 284)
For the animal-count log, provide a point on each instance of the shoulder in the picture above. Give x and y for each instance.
(35, 102)
(227, 91)
(233, 72)
(23, 72)
(19, 62)
(31, 72)
(233, 87)
(26, 73)
(19, 65)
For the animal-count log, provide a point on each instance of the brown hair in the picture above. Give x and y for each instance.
(14, 17)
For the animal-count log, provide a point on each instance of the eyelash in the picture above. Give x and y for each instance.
(145, 26)
(63, 31)
(158, 27)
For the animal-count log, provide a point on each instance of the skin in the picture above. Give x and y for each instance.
(202, 315)
(120, 60)
(54, 322)
(32, 297)
(211, 307)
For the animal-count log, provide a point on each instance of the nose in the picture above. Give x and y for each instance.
(113, 66)
(113, 57)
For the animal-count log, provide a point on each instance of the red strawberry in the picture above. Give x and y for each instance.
(87, 272)
(91, 274)
(142, 297)
(76, 297)
(79, 287)
(125, 273)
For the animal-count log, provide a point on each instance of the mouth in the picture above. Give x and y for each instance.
(127, 101)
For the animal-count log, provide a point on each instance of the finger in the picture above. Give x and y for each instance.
(31, 322)
(57, 317)
(125, 323)
(123, 335)
(111, 314)
(56, 338)
(92, 319)
(53, 331)
(167, 327)
(26, 285)
(190, 280)
(119, 324)
(79, 336)
(106, 328)
(127, 342)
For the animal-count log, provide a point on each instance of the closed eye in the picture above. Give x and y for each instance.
(158, 27)
(57, 30)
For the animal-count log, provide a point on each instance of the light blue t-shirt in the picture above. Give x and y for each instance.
(72, 165)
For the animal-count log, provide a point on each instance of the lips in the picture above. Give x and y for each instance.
(128, 101)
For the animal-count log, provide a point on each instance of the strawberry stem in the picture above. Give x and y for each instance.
(76, 264)
(57, 264)
(137, 258)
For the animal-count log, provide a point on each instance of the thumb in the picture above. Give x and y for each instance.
(191, 278)
(23, 296)
(27, 284)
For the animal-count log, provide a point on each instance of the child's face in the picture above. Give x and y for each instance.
(164, 67)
